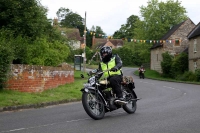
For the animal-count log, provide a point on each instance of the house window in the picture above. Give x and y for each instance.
(195, 46)
(177, 42)
(195, 65)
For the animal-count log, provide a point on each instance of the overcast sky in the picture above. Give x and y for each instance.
(111, 14)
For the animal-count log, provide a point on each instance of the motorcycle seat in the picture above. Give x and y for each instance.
(104, 82)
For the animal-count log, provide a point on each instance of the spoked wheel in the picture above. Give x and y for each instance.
(93, 105)
(131, 106)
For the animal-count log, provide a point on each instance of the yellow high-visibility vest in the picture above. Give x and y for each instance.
(110, 65)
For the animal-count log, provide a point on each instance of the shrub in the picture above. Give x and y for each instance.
(166, 64)
(187, 76)
(179, 65)
(197, 73)
(6, 56)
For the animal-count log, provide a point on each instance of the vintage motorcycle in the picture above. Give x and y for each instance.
(98, 97)
(141, 74)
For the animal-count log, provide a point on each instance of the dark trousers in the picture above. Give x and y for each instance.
(115, 82)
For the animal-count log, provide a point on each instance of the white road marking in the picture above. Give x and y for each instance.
(168, 87)
(13, 130)
(147, 83)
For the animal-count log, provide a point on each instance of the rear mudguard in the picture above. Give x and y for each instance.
(88, 89)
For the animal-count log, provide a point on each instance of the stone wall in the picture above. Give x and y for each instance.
(194, 56)
(156, 58)
(31, 78)
(181, 33)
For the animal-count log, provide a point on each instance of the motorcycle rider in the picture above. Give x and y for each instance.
(114, 63)
(141, 71)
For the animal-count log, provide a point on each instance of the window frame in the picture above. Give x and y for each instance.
(195, 46)
(195, 65)
(177, 43)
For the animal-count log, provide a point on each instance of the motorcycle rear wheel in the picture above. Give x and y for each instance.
(93, 105)
(131, 106)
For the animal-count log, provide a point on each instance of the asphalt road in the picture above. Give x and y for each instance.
(165, 107)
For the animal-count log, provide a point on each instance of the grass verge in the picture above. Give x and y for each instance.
(157, 76)
(63, 92)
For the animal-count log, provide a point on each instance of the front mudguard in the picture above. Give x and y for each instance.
(90, 89)
(86, 89)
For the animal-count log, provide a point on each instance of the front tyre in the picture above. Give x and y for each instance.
(93, 105)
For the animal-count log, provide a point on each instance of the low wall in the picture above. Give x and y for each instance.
(31, 78)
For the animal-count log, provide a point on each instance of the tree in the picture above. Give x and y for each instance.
(130, 26)
(26, 17)
(158, 18)
(121, 33)
(70, 19)
(99, 31)
(127, 30)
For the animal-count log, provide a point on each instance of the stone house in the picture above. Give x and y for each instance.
(72, 34)
(74, 38)
(174, 41)
(194, 48)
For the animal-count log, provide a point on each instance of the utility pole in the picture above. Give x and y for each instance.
(84, 59)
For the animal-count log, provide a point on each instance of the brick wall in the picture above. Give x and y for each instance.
(31, 78)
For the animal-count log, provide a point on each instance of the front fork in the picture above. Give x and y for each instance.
(97, 94)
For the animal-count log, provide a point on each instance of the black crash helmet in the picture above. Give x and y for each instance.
(108, 50)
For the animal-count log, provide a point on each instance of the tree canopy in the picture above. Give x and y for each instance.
(23, 17)
(127, 30)
(158, 18)
(70, 19)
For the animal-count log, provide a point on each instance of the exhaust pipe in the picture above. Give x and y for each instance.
(120, 102)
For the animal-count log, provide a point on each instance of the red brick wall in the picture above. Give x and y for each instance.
(30, 78)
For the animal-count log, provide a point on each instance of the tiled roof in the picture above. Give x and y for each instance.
(195, 32)
(117, 42)
(73, 34)
(167, 35)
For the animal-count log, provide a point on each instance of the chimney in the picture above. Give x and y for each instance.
(93, 41)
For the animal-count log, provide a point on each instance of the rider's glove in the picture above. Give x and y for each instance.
(114, 69)
(90, 72)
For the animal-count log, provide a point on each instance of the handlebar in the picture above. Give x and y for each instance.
(103, 72)
(97, 73)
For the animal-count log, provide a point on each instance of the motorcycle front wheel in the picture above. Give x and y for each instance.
(93, 105)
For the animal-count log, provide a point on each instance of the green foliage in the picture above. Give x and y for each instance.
(187, 76)
(27, 18)
(70, 19)
(125, 55)
(138, 53)
(6, 56)
(42, 52)
(88, 51)
(179, 64)
(97, 30)
(72, 53)
(166, 64)
(158, 17)
(127, 30)
(197, 73)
